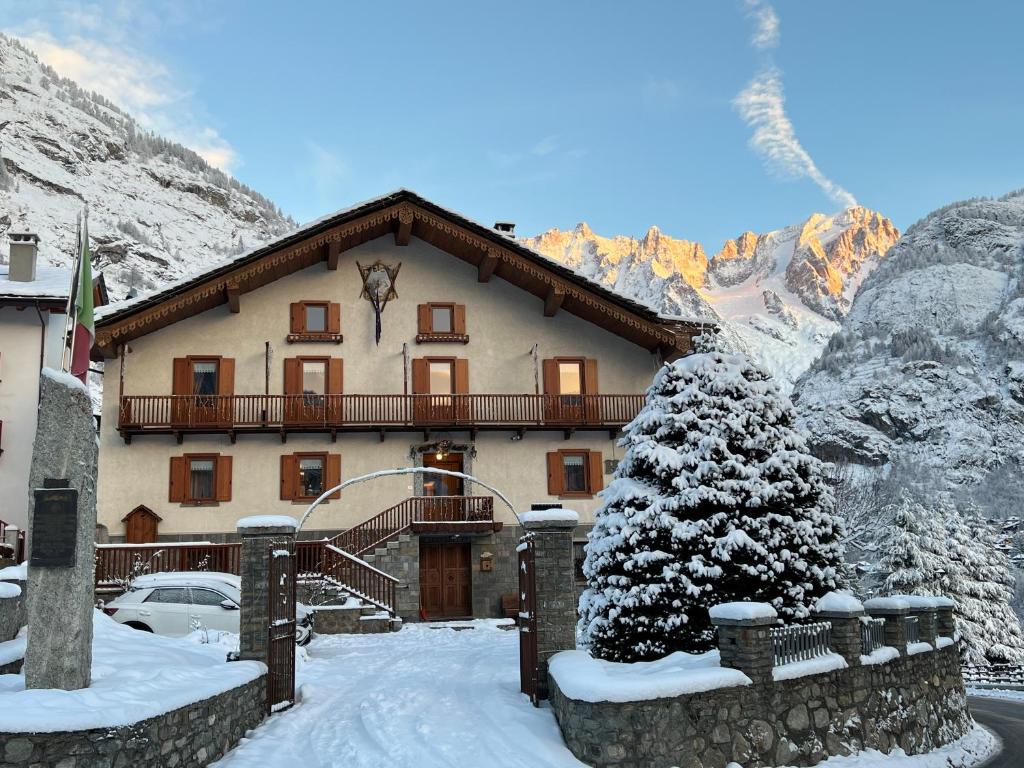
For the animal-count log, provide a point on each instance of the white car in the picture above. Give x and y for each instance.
(174, 603)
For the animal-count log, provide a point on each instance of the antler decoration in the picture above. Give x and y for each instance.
(379, 288)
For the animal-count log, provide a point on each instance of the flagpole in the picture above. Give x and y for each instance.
(78, 273)
(65, 350)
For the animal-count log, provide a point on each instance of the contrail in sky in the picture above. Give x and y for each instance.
(762, 104)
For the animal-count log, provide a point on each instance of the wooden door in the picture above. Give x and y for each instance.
(140, 526)
(445, 580)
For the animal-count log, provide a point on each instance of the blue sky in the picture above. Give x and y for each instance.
(620, 114)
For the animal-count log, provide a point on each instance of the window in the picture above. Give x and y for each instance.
(178, 595)
(315, 321)
(316, 318)
(314, 381)
(441, 319)
(441, 377)
(574, 469)
(201, 474)
(204, 381)
(311, 476)
(206, 597)
(575, 473)
(570, 377)
(441, 322)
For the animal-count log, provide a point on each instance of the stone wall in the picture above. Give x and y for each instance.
(916, 703)
(189, 737)
(489, 586)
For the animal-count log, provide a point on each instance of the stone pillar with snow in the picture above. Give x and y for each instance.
(550, 530)
(844, 612)
(894, 610)
(62, 553)
(261, 535)
(945, 624)
(745, 639)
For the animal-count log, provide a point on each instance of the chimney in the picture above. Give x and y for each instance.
(505, 227)
(24, 248)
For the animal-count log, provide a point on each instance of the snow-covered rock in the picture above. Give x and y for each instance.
(778, 296)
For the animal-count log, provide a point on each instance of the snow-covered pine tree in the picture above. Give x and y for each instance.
(716, 499)
(913, 546)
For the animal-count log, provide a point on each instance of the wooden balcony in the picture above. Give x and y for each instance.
(239, 414)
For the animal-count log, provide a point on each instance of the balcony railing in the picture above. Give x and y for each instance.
(256, 413)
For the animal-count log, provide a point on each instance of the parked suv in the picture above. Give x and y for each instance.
(172, 603)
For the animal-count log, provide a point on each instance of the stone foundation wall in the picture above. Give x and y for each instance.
(189, 737)
(915, 702)
(489, 586)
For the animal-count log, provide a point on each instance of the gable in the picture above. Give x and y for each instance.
(402, 215)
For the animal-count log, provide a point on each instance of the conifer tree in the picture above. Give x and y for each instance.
(913, 548)
(716, 499)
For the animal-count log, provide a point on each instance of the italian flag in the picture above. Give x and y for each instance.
(85, 329)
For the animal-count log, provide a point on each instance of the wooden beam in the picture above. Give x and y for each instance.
(404, 230)
(486, 266)
(553, 302)
(234, 294)
(333, 251)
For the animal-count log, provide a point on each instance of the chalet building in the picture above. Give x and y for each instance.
(392, 334)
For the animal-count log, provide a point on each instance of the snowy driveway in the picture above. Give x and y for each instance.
(419, 697)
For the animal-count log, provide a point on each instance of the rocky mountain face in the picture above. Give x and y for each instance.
(156, 210)
(779, 296)
(928, 367)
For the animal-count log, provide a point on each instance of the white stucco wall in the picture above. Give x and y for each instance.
(503, 323)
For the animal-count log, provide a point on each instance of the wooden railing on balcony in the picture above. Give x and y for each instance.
(383, 527)
(140, 413)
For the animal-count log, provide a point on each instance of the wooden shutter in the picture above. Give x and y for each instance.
(223, 478)
(420, 377)
(590, 377)
(459, 319)
(556, 474)
(298, 318)
(335, 376)
(549, 369)
(334, 473)
(226, 376)
(292, 376)
(461, 376)
(289, 476)
(181, 383)
(423, 315)
(595, 472)
(334, 318)
(179, 479)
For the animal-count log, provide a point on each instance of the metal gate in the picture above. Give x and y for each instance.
(528, 620)
(281, 632)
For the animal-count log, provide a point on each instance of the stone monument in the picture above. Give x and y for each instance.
(61, 526)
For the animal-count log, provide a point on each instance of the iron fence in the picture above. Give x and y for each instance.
(799, 642)
(912, 629)
(872, 634)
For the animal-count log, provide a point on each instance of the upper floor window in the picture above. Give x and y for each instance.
(570, 377)
(204, 377)
(311, 476)
(575, 473)
(305, 476)
(441, 321)
(201, 474)
(316, 318)
(442, 377)
(314, 377)
(315, 321)
(200, 478)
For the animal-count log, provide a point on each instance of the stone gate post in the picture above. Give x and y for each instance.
(258, 535)
(893, 610)
(745, 639)
(924, 608)
(946, 625)
(551, 531)
(844, 613)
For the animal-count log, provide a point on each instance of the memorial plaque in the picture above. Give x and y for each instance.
(54, 528)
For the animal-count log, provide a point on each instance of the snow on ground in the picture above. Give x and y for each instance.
(997, 693)
(135, 675)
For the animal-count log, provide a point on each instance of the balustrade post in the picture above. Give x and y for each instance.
(744, 638)
(258, 534)
(844, 612)
(894, 610)
(945, 623)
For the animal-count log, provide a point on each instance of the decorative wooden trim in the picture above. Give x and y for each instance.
(322, 338)
(234, 296)
(403, 233)
(553, 301)
(487, 264)
(333, 252)
(446, 338)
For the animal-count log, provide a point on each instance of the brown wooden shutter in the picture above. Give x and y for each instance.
(420, 377)
(179, 479)
(334, 318)
(335, 376)
(181, 383)
(298, 318)
(423, 315)
(556, 474)
(461, 376)
(459, 319)
(334, 473)
(590, 377)
(550, 371)
(595, 471)
(226, 376)
(223, 478)
(292, 376)
(289, 476)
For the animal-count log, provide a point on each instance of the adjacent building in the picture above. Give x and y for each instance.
(393, 334)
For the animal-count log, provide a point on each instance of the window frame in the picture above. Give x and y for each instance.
(581, 363)
(325, 306)
(450, 361)
(585, 456)
(189, 498)
(300, 332)
(450, 307)
(426, 332)
(192, 360)
(314, 400)
(322, 456)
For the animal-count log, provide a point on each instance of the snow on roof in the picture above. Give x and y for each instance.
(135, 676)
(742, 611)
(268, 521)
(50, 283)
(190, 577)
(838, 602)
(550, 516)
(584, 678)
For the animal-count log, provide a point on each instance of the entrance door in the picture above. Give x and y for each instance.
(445, 580)
(446, 490)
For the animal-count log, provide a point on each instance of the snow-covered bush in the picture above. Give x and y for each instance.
(716, 499)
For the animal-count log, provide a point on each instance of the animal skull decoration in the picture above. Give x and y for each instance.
(379, 288)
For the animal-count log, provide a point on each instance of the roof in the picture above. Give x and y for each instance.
(349, 227)
(52, 284)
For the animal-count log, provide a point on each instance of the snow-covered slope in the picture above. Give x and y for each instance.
(779, 296)
(156, 209)
(929, 364)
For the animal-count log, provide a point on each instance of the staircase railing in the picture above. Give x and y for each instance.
(360, 578)
(381, 528)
